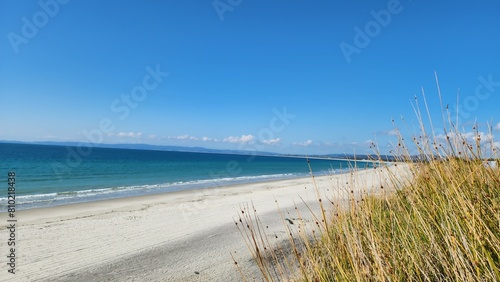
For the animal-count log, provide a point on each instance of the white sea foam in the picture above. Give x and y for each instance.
(67, 197)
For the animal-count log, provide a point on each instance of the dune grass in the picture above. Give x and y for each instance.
(441, 225)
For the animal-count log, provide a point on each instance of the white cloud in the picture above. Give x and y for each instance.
(369, 142)
(304, 144)
(126, 134)
(185, 137)
(470, 137)
(243, 139)
(209, 139)
(271, 141)
(497, 127)
(231, 139)
(247, 138)
(393, 132)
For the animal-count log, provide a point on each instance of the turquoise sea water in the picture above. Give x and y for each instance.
(55, 175)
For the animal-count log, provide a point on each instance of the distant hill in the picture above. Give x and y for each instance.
(386, 158)
(149, 147)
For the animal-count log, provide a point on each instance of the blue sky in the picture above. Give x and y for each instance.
(283, 76)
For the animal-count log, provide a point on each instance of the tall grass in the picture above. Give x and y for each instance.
(442, 225)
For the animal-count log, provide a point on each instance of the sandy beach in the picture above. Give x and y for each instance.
(181, 236)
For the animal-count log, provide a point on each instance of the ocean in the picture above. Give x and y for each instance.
(48, 175)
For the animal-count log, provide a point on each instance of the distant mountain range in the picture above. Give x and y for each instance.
(204, 150)
(147, 147)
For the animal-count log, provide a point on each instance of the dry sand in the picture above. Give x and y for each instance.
(182, 236)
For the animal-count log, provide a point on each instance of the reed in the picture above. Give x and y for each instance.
(440, 224)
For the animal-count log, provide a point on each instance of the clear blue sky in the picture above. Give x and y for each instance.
(282, 76)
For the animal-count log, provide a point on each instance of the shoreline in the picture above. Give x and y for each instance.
(173, 235)
(158, 193)
(163, 189)
(153, 198)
